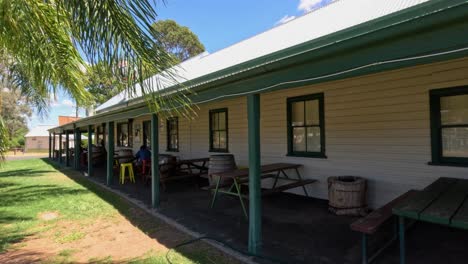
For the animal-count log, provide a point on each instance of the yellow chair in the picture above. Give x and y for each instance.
(131, 176)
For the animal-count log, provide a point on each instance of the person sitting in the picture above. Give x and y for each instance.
(141, 155)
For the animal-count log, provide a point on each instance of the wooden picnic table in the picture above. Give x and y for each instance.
(241, 176)
(165, 171)
(442, 202)
(127, 157)
(193, 164)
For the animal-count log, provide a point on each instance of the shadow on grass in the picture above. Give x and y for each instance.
(5, 218)
(10, 234)
(24, 172)
(154, 228)
(34, 193)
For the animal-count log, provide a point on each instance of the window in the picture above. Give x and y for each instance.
(101, 135)
(449, 126)
(124, 134)
(147, 133)
(306, 130)
(172, 126)
(219, 130)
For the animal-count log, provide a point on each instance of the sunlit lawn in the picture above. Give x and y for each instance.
(28, 188)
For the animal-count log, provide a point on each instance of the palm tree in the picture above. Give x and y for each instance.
(48, 45)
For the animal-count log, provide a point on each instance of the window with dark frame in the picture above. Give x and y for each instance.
(219, 130)
(306, 128)
(172, 126)
(124, 134)
(101, 134)
(449, 126)
(147, 133)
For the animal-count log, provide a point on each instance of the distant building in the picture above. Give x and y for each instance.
(37, 139)
(67, 119)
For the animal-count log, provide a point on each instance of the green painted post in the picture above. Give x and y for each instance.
(90, 150)
(401, 222)
(76, 151)
(255, 200)
(53, 146)
(60, 149)
(110, 152)
(364, 248)
(154, 161)
(67, 148)
(50, 145)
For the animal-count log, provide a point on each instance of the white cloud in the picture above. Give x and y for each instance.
(285, 19)
(67, 102)
(309, 5)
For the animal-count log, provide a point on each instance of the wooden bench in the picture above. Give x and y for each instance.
(371, 223)
(266, 192)
(240, 181)
(288, 186)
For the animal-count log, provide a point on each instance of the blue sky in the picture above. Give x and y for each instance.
(218, 24)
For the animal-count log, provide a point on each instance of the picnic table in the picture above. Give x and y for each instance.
(167, 174)
(118, 158)
(442, 202)
(189, 165)
(276, 171)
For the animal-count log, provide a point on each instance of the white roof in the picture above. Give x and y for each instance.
(42, 131)
(338, 15)
(39, 131)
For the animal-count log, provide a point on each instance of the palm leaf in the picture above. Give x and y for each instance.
(48, 45)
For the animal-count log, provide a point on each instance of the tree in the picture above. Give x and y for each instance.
(48, 45)
(102, 84)
(15, 112)
(178, 40)
(175, 39)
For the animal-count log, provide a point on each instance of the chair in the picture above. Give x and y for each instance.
(123, 168)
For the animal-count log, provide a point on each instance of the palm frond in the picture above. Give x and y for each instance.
(3, 141)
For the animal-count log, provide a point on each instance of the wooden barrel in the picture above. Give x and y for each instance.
(167, 165)
(125, 152)
(220, 163)
(347, 195)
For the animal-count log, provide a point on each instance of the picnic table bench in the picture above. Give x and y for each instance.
(237, 178)
(188, 166)
(371, 223)
(442, 202)
(185, 173)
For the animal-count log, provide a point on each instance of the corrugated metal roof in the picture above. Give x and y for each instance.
(337, 16)
(39, 131)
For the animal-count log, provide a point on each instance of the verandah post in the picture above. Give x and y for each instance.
(53, 146)
(76, 157)
(60, 149)
(154, 161)
(255, 202)
(90, 150)
(110, 152)
(50, 145)
(67, 148)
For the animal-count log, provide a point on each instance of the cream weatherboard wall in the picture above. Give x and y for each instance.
(376, 126)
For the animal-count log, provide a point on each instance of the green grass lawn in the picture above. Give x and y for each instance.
(28, 188)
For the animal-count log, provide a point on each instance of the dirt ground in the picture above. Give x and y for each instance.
(114, 240)
(117, 239)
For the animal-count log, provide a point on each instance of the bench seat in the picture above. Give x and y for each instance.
(370, 223)
(288, 186)
(240, 181)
